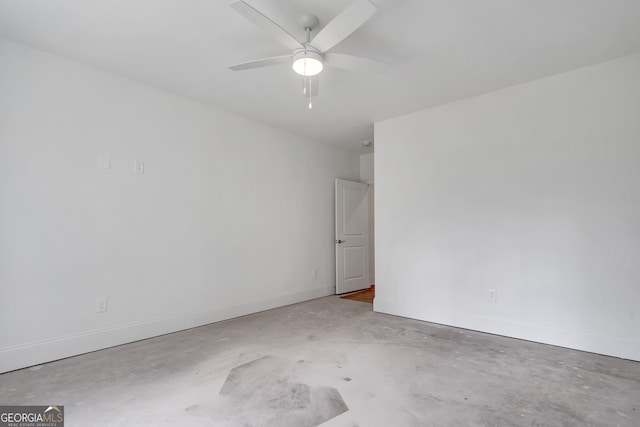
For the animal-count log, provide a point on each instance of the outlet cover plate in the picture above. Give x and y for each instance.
(101, 304)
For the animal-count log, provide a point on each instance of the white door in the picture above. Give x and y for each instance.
(352, 236)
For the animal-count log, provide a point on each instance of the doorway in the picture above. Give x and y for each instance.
(366, 178)
(352, 236)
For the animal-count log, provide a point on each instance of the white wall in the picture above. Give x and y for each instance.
(230, 217)
(531, 190)
(366, 168)
(366, 175)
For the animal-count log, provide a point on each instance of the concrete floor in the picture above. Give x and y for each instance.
(333, 362)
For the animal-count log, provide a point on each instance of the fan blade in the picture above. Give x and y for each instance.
(264, 62)
(355, 63)
(266, 24)
(343, 25)
(310, 86)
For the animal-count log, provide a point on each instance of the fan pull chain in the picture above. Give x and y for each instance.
(306, 90)
(307, 85)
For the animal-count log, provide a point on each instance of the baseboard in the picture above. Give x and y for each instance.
(609, 345)
(72, 345)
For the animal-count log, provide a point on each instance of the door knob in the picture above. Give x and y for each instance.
(340, 241)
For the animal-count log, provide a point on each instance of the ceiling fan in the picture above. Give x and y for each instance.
(309, 57)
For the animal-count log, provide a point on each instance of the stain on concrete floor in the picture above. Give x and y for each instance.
(268, 389)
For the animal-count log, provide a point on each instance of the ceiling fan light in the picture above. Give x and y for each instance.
(307, 63)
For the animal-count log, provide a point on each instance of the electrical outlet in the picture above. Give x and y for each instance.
(101, 304)
(138, 166)
(315, 274)
(492, 295)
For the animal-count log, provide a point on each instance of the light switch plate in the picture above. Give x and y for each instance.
(104, 161)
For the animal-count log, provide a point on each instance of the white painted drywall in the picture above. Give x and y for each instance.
(366, 175)
(230, 216)
(532, 191)
(366, 168)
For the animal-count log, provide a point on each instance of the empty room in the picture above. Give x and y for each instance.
(300, 213)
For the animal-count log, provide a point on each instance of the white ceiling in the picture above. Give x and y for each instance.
(441, 51)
